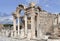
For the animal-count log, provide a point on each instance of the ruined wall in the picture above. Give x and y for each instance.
(46, 22)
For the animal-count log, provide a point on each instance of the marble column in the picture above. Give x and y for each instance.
(39, 28)
(11, 33)
(14, 25)
(37, 25)
(18, 17)
(25, 25)
(32, 26)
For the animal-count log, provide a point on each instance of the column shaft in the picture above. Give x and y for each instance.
(32, 26)
(38, 31)
(25, 25)
(32, 23)
(18, 25)
(14, 25)
(39, 27)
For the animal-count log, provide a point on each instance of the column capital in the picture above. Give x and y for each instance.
(18, 15)
(14, 16)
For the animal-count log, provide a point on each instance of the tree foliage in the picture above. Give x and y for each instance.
(8, 25)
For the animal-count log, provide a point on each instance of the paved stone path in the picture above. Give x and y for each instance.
(4, 38)
(7, 39)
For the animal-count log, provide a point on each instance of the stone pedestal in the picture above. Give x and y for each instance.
(3, 32)
(22, 33)
(11, 33)
(7, 33)
(29, 34)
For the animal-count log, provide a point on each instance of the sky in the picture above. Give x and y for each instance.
(9, 6)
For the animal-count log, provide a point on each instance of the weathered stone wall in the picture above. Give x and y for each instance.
(46, 22)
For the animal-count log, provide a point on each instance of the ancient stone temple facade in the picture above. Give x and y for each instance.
(36, 23)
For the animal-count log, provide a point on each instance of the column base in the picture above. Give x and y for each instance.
(25, 35)
(33, 37)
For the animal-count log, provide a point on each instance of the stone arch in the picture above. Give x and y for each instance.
(17, 15)
(19, 8)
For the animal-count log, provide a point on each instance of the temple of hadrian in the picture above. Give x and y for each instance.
(35, 23)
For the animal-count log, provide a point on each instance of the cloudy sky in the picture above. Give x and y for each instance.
(8, 6)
